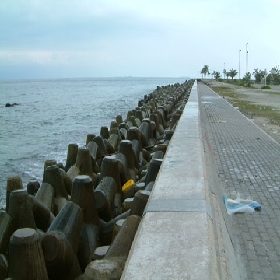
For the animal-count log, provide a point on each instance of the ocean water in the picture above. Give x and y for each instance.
(53, 113)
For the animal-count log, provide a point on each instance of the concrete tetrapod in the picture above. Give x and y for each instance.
(133, 136)
(101, 151)
(105, 198)
(84, 163)
(156, 133)
(60, 260)
(61, 242)
(32, 187)
(13, 183)
(125, 175)
(168, 135)
(93, 147)
(100, 252)
(83, 195)
(109, 146)
(123, 132)
(47, 163)
(114, 141)
(54, 177)
(153, 169)
(106, 228)
(42, 215)
(69, 221)
(139, 114)
(111, 167)
(71, 155)
(126, 149)
(139, 202)
(104, 132)
(27, 211)
(26, 260)
(45, 195)
(145, 134)
(90, 138)
(20, 209)
(5, 231)
(111, 266)
(3, 266)
(160, 121)
(119, 119)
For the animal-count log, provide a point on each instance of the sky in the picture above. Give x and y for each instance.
(140, 38)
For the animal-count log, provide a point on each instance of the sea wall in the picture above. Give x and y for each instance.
(175, 239)
(80, 223)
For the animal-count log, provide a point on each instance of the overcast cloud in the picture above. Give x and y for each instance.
(83, 38)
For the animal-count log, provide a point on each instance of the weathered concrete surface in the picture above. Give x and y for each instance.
(171, 245)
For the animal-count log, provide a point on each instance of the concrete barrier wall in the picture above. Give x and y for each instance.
(175, 238)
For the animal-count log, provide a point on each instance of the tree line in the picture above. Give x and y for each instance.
(271, 77)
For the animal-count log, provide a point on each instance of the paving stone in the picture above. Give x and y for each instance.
(251, 255)
(276, 267)
(255, 266)
(258, 276)
(260, 250)
(272, 256)
(268, 272)
(247, 161)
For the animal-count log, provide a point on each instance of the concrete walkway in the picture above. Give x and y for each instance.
(248, 163)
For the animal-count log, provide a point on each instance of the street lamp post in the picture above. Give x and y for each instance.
(239, 64)
(246, 59)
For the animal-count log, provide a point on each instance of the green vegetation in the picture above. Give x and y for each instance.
(247, 108)
(252, 109)
(258, 74)
(205, 71)
(271, 78)
(247, 79)
(261, 76)
(239, 83)
(216, 75)
(225, 73)
(227, 92)
(275, 75)
(232, 73)
(266, 87)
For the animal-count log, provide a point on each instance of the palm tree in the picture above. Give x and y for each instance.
(258, 74)
(205, 70)
(232, 73)
(225, 72)
(247, 79)
(202, 72)
(217, 75)
(275, 75)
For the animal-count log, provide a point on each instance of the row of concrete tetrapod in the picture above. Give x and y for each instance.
(80, 222)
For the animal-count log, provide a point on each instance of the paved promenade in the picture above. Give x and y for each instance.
(248, 164)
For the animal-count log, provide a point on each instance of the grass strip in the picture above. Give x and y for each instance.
(249, 109)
